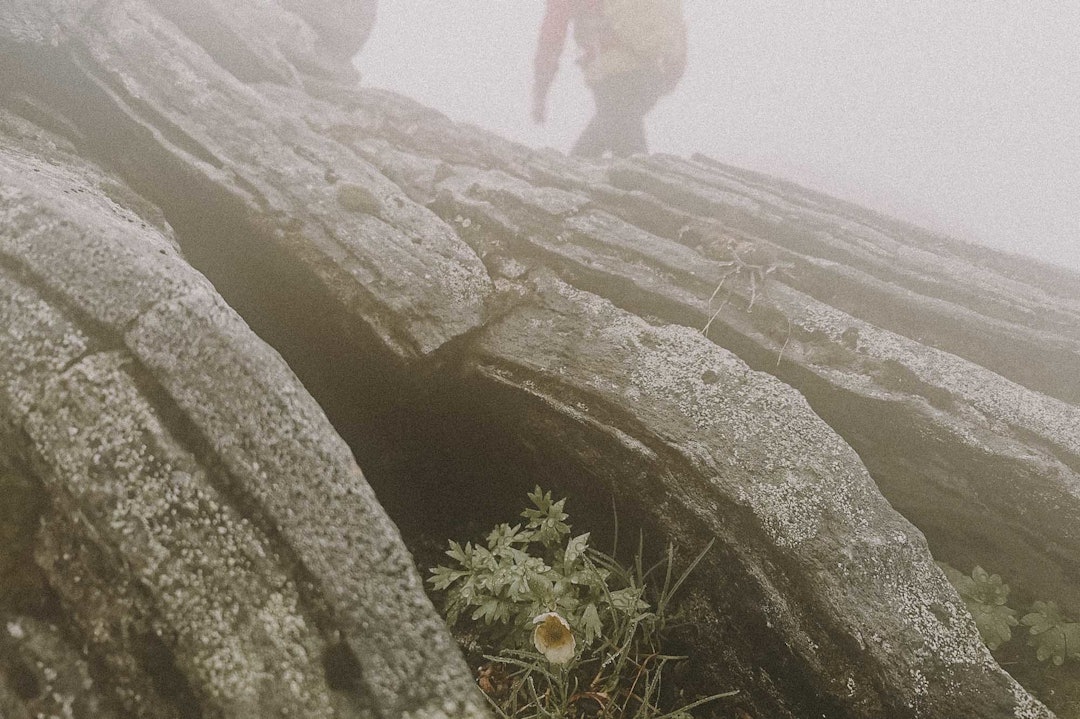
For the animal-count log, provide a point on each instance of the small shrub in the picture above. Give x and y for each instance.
(985, 595)
(570, 632)
(1053, 637)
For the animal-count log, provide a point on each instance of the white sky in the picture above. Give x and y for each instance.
(960, 115)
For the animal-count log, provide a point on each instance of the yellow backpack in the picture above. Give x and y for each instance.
(651, 29)
(641, 33)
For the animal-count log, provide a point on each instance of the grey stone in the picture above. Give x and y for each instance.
(204, 521)
(207, 532)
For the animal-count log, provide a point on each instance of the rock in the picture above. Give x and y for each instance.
(208, 535)
(45, 675)
(818, 582)
(343, 25)
(238, 169)
(967, 433)
(475, 316)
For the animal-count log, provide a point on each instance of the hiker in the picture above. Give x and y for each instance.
(633, 52)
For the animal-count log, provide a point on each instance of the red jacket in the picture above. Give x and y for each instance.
(553, 38)
(587, 16)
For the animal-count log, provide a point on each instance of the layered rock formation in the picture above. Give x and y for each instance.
(192, 536)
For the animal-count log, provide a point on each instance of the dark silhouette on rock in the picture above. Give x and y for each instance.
(226, 271)
(631, 52)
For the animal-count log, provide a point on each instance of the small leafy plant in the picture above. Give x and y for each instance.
(985, 595)
(570, 632)
(1053, 637)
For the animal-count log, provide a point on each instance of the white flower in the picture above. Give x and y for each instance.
(552, 638)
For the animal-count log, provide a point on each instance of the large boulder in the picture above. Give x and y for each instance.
(238, 170)
(818, 584)
(206, 533)
(836, 398)
(987, 468)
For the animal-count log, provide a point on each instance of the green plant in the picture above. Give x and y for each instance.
(569, 631)
(1052, 636)
(984, 596)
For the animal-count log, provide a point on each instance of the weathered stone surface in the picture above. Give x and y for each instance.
(43, 675)
(985, 467)
(203, 523)
(926, 288)
(208, 535)
(985, 464)
(817, 576)
(238, 168)
(343, 27)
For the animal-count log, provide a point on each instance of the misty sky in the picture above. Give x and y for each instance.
(960, 115)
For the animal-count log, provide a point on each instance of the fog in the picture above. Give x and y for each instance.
(958, 115)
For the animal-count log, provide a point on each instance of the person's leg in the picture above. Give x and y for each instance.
(594, 141)
(627, 132)
(639, 94)
(622, 101)
(591, 142)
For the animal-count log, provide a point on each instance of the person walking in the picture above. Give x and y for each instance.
(633, 52)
